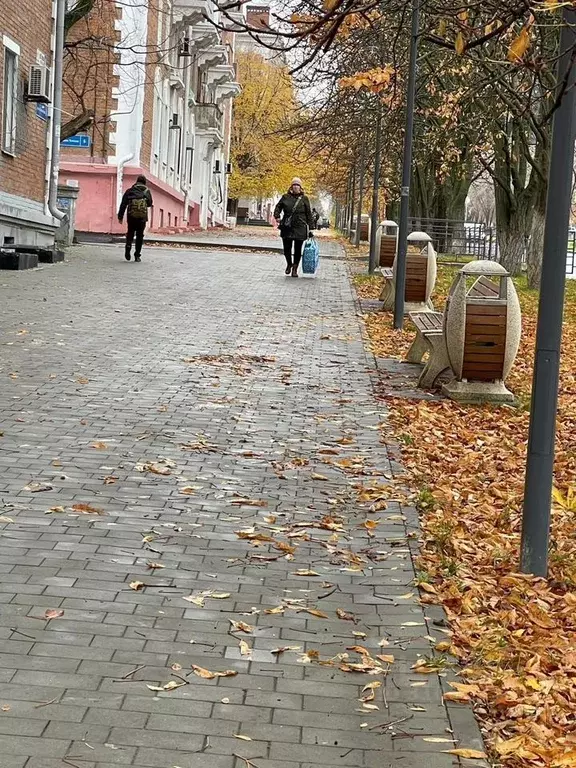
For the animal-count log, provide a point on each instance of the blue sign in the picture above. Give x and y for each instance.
(80, 140)
(42, 111)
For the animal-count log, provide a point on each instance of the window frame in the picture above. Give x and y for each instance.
(10, 64)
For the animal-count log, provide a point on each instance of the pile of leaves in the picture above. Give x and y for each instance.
(515, 636)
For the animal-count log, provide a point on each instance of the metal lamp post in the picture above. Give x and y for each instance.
(540, 463)
(373, 259)
(406, 171)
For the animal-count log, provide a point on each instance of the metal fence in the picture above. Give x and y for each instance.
(479, 241)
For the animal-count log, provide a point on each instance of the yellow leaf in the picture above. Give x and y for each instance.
(442, 28)
(519, 46)
(459, 44)
(245, 649)
(242, 738)
(136, 585)
(304, 572)
(208, 675)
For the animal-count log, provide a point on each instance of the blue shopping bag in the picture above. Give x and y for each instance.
(310, 256)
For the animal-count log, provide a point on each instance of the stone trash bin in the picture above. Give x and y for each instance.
(364, 228)
(67, 199)
(482, 324)
(387, 243)
(421, 272)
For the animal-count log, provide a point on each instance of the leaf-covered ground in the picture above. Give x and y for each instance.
(514, 636)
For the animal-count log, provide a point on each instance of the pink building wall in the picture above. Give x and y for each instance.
(96, 210)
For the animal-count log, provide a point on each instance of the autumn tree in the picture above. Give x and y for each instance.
(265, 157)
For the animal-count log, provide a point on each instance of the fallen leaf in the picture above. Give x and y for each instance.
(53, 613)
(38, 487)
(6, 708)
(243, 738)
(285, 648)
(387, 659)
(198, 600)
(304, 572)
(172, 685)
(155, 566)
(110, 480)
(55, 510)
(249, 502)
(137, 585)
(82, 380)
(437, 739)
(4, 519)
(314, 612)
(245, 649)
(471, 754)
(99, 445)
(218, 595)
(342, 614)
(316, 476)
(270, 519)
(87, 509)
(240, 626)
(207, 675)
(176, 667)
(188, 490)
(278, 609)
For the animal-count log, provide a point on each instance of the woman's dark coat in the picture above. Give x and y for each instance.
(302, 219)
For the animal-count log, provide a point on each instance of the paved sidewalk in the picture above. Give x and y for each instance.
(208, 415)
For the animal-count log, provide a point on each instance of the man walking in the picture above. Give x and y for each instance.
(135, 204)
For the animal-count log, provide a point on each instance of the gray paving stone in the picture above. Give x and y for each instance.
(104, 362)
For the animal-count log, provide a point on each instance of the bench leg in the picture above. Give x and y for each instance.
(418, 349)
(438, 362)
(387, 296)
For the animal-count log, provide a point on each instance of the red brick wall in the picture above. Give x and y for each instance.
(89, 77)
(29, 24)
(148, 118)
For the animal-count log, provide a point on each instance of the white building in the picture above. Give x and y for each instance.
(164, 112)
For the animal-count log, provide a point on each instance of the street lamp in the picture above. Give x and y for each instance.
(540, 463)
(406, 170)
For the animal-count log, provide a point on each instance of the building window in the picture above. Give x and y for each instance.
(9, 100)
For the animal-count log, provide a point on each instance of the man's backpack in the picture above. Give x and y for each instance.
(138, 208)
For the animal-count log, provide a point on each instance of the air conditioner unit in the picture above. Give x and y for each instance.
(39, 84)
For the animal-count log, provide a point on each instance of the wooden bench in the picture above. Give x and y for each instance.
(429, 338)
(387, 293)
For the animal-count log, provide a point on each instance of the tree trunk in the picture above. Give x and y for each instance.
(512, 242)
(536, 249)
(77, 124)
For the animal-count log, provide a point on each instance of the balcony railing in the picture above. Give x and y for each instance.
(208, 116)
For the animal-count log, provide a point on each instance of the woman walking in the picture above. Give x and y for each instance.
(296, 222)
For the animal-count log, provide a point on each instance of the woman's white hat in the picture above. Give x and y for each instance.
(296, 180)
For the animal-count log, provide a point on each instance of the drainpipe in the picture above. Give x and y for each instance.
(120, 178)
(57, 111)
(184, 137)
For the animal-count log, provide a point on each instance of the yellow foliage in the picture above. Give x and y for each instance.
(520, 45)
(375, 80)
(264, 158)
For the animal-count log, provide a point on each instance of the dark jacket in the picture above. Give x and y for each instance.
(137, 192)
(302, 219)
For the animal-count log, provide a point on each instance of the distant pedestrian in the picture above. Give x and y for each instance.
(295, 224)
(316, 217)
(135, 204)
